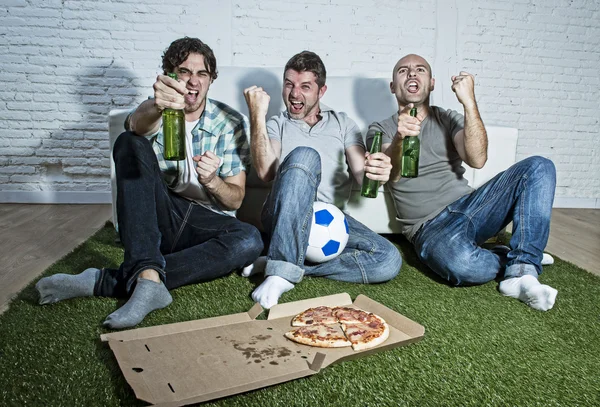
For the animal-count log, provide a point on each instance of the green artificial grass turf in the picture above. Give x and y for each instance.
(480, 348)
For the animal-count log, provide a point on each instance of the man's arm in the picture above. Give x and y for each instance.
(472, 142)
(168, 93)
(355, 155)
(229, 191)
(265, 152)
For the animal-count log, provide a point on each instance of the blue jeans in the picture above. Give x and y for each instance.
(450, 243)
(184, 242)
(287, 216)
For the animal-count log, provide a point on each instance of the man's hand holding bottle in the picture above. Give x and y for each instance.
(169, 93)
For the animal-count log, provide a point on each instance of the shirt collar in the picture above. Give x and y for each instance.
(324, 109)
(207, 122)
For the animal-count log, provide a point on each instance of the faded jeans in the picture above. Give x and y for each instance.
(450, 243)
(287, 216)
(183, 241)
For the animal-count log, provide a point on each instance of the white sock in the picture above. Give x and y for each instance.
(547, 259)
(529, 290)
(267, 294)
(258, 267)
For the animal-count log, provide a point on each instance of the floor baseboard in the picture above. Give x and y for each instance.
(56, 197)
(579, 203)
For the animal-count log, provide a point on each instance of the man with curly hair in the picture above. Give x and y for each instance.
(176, 218)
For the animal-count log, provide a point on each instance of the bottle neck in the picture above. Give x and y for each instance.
(422, 110)
(376, 146)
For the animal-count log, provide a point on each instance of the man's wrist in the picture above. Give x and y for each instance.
(470, 105)
(256, 113)
(213, 184)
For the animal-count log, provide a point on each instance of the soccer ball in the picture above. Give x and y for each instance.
(328, 233)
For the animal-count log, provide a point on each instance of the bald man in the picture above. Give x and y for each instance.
(441, 215)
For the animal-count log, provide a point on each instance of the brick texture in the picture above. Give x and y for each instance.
(65, 64)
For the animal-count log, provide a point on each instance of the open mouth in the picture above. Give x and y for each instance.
(191, 97)
(412, 87)
(296, 107)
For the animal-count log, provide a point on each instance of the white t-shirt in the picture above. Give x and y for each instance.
(187, 182)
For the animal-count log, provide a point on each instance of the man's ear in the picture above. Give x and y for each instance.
(432, 83)
(392, 86)
(322, 91)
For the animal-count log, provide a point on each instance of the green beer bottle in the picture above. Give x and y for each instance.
(370, 186)
(411, 148)
(174, 132)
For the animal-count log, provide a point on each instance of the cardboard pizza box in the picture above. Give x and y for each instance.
(201, 360)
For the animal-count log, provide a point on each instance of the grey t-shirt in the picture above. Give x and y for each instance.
(440, 181)
(330, 137)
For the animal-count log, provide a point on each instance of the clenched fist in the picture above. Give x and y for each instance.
(463, 86)
(257, 100)
(207, 165)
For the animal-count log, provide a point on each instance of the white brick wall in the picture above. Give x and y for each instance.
(538, 68)
(66, 63)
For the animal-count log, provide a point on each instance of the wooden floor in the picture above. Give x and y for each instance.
(575, 237)
(36, 236)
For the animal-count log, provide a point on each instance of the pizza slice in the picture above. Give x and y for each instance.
(349, 315)
(319, 335)
(318, 315)
(368, 334)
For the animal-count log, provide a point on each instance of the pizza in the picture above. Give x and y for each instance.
(365, 335)
(320, 335)
(318, 315)
(327, 327)
(351, 315)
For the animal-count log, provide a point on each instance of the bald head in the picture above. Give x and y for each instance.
(412, 81)
(413, 59)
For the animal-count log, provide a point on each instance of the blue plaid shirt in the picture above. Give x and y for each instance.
(222, 130)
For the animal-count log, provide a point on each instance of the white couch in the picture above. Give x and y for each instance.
(365, 100)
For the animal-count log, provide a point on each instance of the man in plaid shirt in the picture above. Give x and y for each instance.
(176, 218)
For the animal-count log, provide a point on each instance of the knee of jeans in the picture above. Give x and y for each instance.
(128, 144)
(387, 267)
(468, 269)
(252, 244)
(543, 167)
(305, 156)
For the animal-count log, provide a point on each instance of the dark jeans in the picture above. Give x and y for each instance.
(183, 241)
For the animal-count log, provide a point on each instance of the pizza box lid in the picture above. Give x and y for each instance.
(196, 361)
